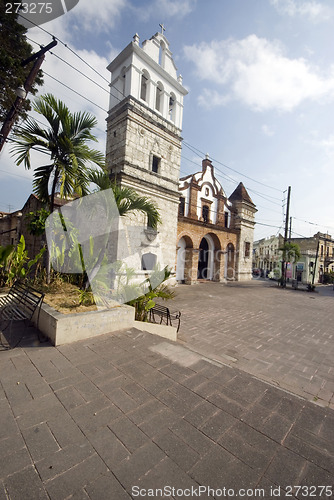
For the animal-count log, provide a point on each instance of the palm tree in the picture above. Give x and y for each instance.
(290, 253)
(64, 140)
(126, 198)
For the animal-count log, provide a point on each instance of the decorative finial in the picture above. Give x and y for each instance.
(136, 39)
(162, 28)
(207, 157)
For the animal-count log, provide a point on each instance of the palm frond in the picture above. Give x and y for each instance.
(42, 177)
(128, 200)
(64, 139)
(100, 178)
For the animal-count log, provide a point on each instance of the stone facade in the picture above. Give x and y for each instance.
(9, 227)
(144, 135)
(266, 254)
(243, 220)
(317, 257)
(13, 225)
(215, 233)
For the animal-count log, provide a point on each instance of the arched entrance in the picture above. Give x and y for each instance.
(184, 259)
(205, 270)
(180, 259)
(203, 260)
(229, 262)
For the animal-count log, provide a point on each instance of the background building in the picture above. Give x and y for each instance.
(266, 254)
(317, 257)
(203, 234)
(10, 227)
(215, 234)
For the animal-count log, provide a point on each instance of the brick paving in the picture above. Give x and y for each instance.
(285, 337)
(101, 418)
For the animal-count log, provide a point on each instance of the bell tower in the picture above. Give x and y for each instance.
(144, 130)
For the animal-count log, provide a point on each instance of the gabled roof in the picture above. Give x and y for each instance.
(240, 194)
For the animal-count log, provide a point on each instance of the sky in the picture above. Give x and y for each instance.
(260, 76)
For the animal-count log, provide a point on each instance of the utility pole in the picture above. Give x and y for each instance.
(290, 228)
(12, 114)
(283, 283)
(316, 260)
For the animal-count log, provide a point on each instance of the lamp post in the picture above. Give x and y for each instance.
(21, 93)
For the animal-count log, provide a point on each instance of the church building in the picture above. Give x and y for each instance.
(215, 233)
(203, 234)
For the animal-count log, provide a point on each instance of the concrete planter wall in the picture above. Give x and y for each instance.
(66, 328)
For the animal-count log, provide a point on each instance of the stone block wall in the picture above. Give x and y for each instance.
(136, 133)
(193, 232)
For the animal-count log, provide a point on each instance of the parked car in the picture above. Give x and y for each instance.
(274, 275)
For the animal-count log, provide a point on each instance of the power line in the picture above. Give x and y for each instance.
(312, 223)
(78, 93)
(230, 179)
(65, 45)
(16, 175)
(192, 148)
(196, 151)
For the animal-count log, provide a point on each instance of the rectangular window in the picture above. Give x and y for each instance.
(155, 164)
(205, 213)
(143, 88)
(247, 248)
(226, 219)
(182, 206)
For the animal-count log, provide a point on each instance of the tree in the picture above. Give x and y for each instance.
(64, 140)
(127, 199)
(291, 251)
(14, 49)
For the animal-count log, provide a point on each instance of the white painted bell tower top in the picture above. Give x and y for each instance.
(148, 74)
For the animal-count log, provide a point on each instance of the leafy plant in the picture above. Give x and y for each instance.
(5, 253)
(15, 263)
(86, 298)
(145, 302)
(36, 221)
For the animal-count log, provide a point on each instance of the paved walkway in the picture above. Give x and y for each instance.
(125, 414)
(283, 336)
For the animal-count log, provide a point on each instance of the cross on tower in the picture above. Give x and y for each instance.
(162, 28)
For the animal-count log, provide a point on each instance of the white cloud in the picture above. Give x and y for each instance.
(267, 130)
(97, 16)
(166, 8)
(326, 158)
(172, 8)
(314, 11)
(66, 75)
(256, 72)
(76, 81)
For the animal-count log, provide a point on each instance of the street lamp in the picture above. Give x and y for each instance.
(21, 92)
